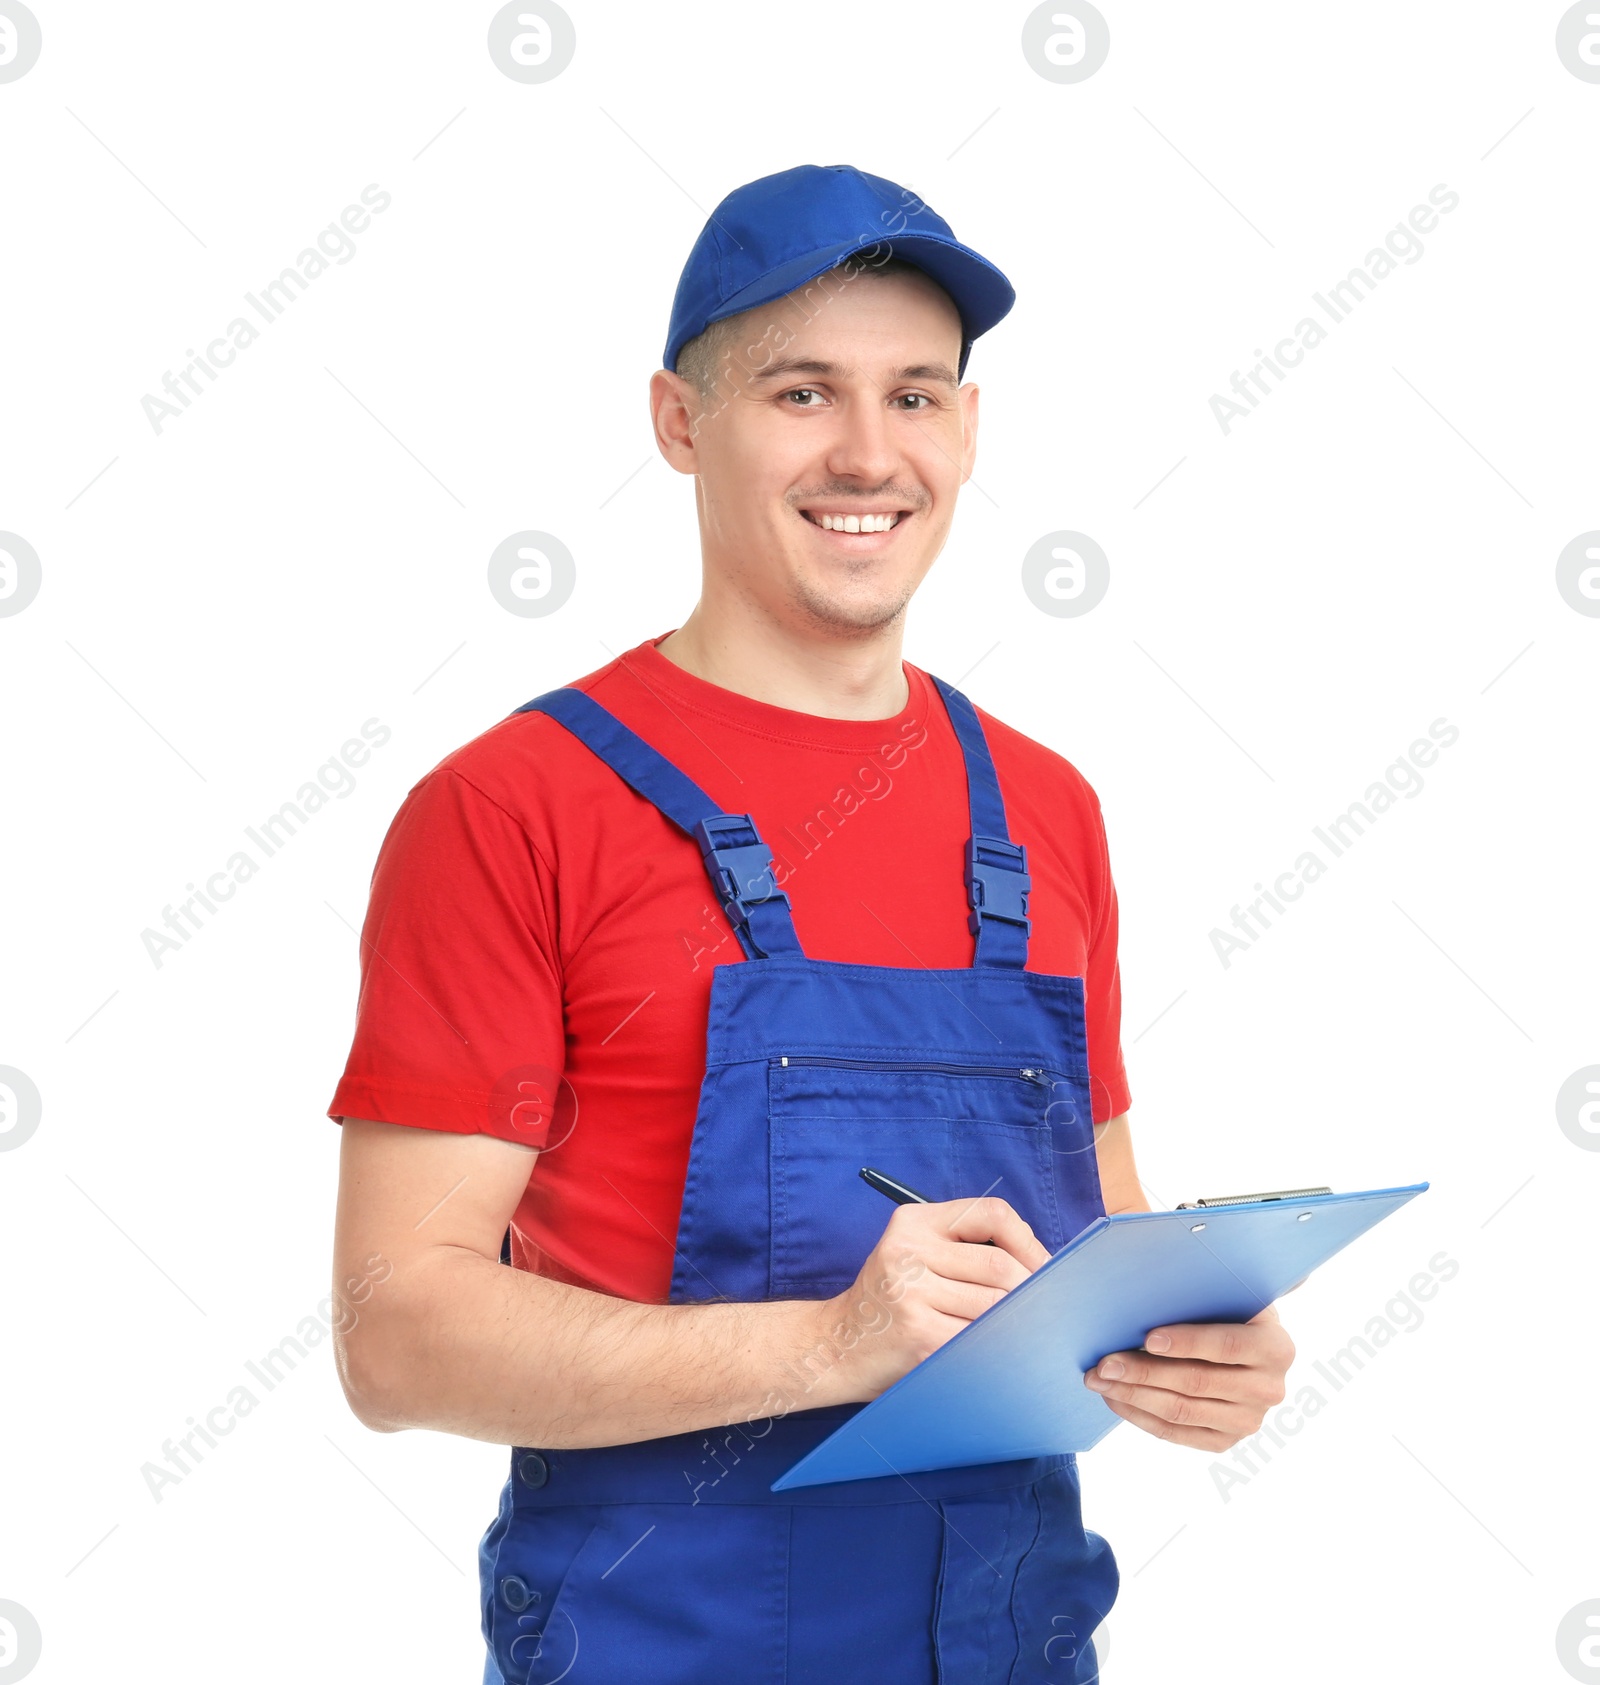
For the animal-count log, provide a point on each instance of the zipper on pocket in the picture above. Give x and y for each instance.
(1024, 1073)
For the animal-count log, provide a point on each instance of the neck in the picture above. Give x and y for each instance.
(841, 678)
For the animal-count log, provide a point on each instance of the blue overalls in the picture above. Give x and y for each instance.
(670, 1560)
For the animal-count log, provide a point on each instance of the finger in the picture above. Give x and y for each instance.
(1257, 1342)
(965, 1299)
(1237, 1383)
(990, 1218)
(1200, 1438)
(1182, 1409)
(989, 1266)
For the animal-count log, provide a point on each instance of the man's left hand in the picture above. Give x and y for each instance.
(1205, 1384)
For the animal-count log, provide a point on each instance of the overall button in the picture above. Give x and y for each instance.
(532, 1469)
(517, 1594)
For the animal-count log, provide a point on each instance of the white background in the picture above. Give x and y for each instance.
(1372, 549)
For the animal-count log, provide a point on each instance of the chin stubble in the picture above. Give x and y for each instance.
(828, 611)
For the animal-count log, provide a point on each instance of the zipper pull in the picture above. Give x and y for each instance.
(1032, 1074)
(784, 1060)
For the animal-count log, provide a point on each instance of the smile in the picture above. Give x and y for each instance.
(872, 521)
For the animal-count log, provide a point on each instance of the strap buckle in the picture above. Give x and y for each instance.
(739, 864)
(997, 880)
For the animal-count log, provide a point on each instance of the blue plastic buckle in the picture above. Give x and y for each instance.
(740, 866)
(997, 881)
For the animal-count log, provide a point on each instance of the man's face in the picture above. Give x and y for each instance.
(850, 420)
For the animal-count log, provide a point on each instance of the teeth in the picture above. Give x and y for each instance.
(856, 523)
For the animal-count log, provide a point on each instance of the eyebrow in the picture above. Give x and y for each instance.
(940, 373)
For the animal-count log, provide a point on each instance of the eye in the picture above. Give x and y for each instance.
(801, 391)
(921, 399)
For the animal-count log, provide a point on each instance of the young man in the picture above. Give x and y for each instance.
(654, 966)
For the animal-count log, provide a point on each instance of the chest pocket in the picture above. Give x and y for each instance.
(951, 1130)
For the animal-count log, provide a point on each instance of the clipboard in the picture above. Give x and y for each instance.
(1010, 1384)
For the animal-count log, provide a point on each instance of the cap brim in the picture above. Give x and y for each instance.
(982, 295)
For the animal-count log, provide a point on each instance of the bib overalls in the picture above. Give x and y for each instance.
(669, 1560)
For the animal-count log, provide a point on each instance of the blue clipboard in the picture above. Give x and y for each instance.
(1010, 1384)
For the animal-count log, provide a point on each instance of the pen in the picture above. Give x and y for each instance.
(898, 1191)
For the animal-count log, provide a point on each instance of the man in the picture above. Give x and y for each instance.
(654, 966)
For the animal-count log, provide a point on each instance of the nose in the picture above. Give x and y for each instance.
(862, 445)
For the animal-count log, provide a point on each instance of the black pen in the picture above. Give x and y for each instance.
(898, 1191)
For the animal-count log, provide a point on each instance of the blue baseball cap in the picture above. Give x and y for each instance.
(775, 234)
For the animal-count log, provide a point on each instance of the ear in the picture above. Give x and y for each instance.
(967, 398)
(676, 415)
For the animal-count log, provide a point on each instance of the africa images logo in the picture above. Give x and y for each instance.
(1401, 244)
(333, 245)
(20, 40)
(20, 573)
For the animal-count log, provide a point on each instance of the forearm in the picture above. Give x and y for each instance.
(464, 1345)
(1120, 1186)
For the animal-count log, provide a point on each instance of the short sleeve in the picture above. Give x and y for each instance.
(459, 1021)
(1108, 1079)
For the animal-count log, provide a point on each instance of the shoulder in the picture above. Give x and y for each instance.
(1051, 806)
(522, 751)
(520, 769)
(1024, 765)
(1053, 809)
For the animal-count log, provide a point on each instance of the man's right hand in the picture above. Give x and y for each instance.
(929, 1275)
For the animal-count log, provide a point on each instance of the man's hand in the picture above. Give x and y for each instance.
(929, 1276)
(1205, 1384)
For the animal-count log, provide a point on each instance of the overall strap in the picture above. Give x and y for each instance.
(996, 871)
(737, 861)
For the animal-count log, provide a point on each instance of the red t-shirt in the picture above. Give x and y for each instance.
(536, 928)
